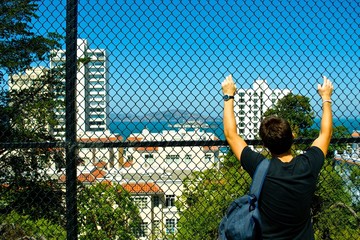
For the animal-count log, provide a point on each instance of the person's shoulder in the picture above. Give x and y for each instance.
(250, 159)
(249, 153)
(315, 150)
(314, 157)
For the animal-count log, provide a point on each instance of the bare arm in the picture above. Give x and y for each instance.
(323, 140)
(237, 144)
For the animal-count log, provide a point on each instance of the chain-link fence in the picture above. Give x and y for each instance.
(111, 112)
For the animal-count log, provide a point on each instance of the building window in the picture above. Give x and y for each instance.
(170, 226)
(156, 201)
(172, 158)
(188, 158)
(142, 230)
(96, 70)
(208, 157)
(157, 230)
(170, 201)
(149, 158)
(96, 76)
(141, 202)
(94, 116)
(96, 63)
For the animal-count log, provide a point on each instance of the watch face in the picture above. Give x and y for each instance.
(227, 97)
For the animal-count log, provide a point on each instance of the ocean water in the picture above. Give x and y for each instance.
(124, 129)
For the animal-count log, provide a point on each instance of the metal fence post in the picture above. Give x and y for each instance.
(70, 134)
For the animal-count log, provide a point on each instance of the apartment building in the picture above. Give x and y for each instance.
(91, 91)
(160, 171)
(29, 79)
(251, 104)
(152, 175)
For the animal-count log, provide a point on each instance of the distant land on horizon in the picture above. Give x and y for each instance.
(172, 115)
(181, 115)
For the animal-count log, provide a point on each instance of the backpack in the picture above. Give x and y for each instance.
(242, 220)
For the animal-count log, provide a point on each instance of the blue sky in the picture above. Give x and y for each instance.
(174, 54)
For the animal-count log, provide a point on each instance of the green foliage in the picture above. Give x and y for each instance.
(26, 115)
(107, 212)
(333, 213)
(297, 110)
(16, 226)
(338, 132)
(38, 199)
(206, 197)
(19, 45)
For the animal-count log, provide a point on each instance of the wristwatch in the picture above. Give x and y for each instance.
(227, 97)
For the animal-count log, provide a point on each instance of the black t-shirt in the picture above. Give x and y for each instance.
(287, 193)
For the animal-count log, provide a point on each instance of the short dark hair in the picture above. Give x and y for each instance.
(276, 134)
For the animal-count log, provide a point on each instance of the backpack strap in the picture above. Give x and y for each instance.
(259, 177)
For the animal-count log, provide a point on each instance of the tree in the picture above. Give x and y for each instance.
(206, 197)
(107, 212)
(15, 226)
(297, 110)
(333, 211)
(25, 116)
(19, 45)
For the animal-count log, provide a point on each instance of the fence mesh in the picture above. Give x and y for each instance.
(144, 155)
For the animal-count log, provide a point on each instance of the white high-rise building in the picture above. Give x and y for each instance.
(251, 104)
(91, 92)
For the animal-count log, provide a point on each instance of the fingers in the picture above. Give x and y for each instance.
(228, 85)
(227, 80)
(325, 90)
(326, 83)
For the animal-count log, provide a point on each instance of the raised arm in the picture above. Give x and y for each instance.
(323, 140)
(237, 144)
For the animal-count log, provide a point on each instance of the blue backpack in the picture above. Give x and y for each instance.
(242, 220)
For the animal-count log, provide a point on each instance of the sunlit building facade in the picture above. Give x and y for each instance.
(251, 104)
(91, 91)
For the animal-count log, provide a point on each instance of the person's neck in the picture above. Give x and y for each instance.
(284, 157)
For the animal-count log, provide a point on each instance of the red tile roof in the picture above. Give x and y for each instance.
(101, 139)
(134, 139)
(146, 149)
(100, 164)
(128, 164)
(98, 173)
(87, 177)
(211, 148)
(142, 188)
(355, 134)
